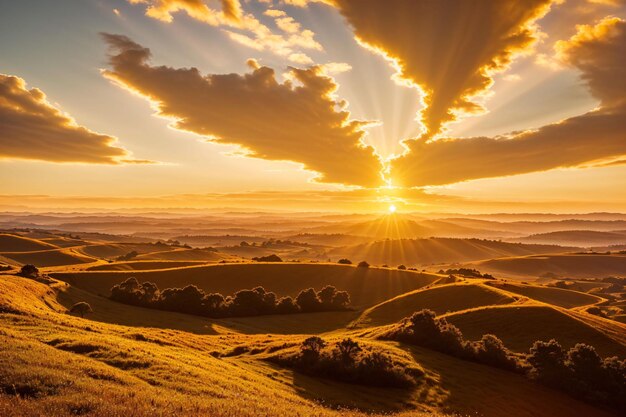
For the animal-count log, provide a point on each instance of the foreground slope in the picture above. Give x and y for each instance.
(58, 365)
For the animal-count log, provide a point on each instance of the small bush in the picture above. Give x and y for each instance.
(344, 261)
(81, 308)
(363, 264)
(347, 361)
(29, 271)
(401, 267)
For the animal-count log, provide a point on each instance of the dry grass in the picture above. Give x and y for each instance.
(143, 265)
(555, 296)
(520, 326)
(58, 365)
(562, 265)
(440, 299)
(367, 286)
(45, 258)
(15, 243)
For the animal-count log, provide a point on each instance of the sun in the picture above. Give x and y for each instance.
(392, 209)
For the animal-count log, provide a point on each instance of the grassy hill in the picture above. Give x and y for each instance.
(16, 243)
(557, 265)
(555, 296)
(367, 286)
(52, 257)
(60, 365)
(436, 251)
(440, 299)
(142, 265)
(520, 326)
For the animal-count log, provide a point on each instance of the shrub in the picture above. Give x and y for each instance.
(401, 267)
(344, 261)
(81, 308)
(347, 361)
(269, 258)
(29, 271)
(491, 351)
(130, 255)
(363, 264)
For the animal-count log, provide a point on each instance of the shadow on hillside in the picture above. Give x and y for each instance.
(475, 389)
(338, 395)
(112, 312)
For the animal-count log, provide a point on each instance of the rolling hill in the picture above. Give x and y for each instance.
(556, 265)
(436, 251)
(520, 326)
(441, 299)
(101, 369)
(367, 286)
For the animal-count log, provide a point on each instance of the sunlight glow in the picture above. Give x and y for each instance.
(392, 209)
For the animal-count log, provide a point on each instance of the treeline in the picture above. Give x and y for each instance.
(347, 361)
(466, 272)
(254, 302)
(579, 371)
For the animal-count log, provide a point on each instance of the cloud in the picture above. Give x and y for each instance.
(242, 27)
(448, 49)
(298, 120)
(599, 52)
(31, 128)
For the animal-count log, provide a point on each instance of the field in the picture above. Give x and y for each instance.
(123, 360)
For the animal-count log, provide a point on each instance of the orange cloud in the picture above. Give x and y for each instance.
(298, 120)
(448, 49)
(31, 128)
(242, 27)
(599, 52)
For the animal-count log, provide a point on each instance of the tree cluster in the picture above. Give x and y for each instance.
(466, 272)
(580, 371)
(348, 361)
(254, 302)
(268, 258)
(423, 328)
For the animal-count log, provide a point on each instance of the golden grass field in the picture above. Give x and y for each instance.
(123, 360)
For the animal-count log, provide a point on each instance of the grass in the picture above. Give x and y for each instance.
(521, 325)
(142, 265)
(367, 286)
(55, 364)
(440, 299)
(550, 295)
(15, 243)
(562, 265)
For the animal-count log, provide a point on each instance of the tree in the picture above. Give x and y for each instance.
(347, 349)
(363, 264)
(312, 347)
(344, 261)
(308, 300)
(401, 267)
(81, 308)
(548, 362)
(29, 271)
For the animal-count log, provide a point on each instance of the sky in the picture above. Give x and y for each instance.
(329, 105)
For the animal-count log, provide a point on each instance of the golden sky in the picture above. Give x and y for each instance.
(330, 105)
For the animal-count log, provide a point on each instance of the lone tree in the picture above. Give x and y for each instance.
(29, 271)
(81, 308)
(363, 264)
(344, 261)
(401, 267)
